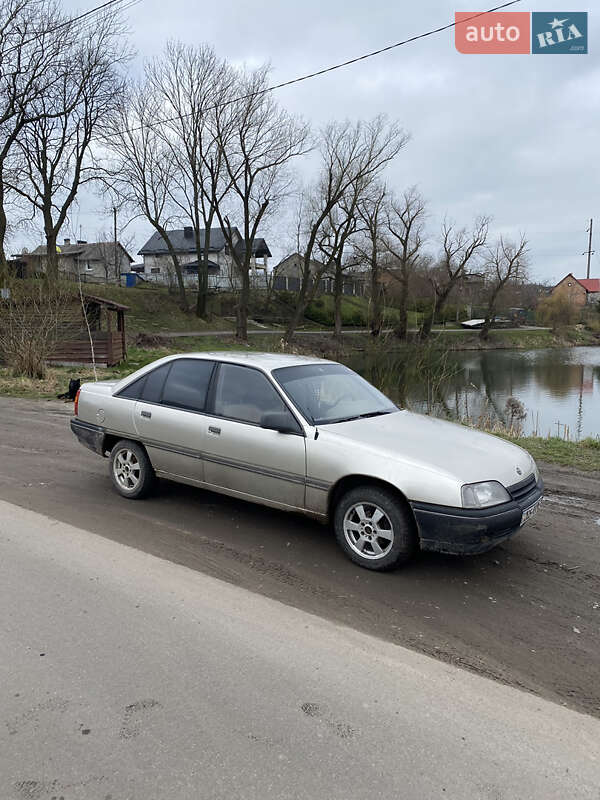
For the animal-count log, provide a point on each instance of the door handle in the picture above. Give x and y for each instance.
(214, 430)
(146, 414)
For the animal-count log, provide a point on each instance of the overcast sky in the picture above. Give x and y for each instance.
(512, 136)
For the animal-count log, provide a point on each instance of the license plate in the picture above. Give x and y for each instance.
(531, 511)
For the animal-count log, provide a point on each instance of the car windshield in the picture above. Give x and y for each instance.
(328, 393)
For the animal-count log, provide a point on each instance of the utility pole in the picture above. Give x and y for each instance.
(117, 267)
(589, 252)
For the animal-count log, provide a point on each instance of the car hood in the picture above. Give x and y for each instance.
(436, 445)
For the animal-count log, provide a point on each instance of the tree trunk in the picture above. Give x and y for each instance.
(298, 313)
(376, 297)
(439, 301)
(338, 286)
(51, 257)
(490, 313)
(183, 303)
(202, 256)
(3, 227)
(401, 330)
(241, 310)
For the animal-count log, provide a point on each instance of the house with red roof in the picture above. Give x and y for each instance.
(580, 291)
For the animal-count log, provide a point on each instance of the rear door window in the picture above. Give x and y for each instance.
(187, 384)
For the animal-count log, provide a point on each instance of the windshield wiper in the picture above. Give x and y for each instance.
(356, 416)
(374, 414)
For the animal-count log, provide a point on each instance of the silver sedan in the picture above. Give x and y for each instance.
(310, 436)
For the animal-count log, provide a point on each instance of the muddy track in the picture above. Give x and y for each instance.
(527, 614)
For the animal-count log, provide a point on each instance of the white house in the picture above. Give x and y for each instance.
(222, 273)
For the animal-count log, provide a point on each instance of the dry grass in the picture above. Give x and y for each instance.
(55, 382)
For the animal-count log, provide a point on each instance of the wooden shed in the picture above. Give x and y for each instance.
(106, 320)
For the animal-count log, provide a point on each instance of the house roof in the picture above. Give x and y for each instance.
(590, 284)
(156, 245)
(182, 243)
(89, 251)
(259, 247)
(103, 301)
(296, 260)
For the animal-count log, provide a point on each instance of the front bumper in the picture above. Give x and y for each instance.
(89, 435)
(469, 531)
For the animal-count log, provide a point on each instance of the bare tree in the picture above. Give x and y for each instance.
(405, 218)
(350, 154)
(191, 83)
(506, 263)
(31, 50)
(460, 248)
(340, 226)
(53, 149)
(141, 170)
(258, 140)
(370, 249)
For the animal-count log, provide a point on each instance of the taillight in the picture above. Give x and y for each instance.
(76, 405)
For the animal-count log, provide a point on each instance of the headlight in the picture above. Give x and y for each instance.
(484, 494)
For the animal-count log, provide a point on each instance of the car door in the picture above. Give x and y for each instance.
(169, 416)
(241, 456)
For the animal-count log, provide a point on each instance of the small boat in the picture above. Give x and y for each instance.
(472, 324)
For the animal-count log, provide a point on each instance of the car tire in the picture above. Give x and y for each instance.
(130, 470)
(374, 528)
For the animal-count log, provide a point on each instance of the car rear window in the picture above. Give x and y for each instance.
(187, 384)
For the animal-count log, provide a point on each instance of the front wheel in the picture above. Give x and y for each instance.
(130, 469)
(374, 528)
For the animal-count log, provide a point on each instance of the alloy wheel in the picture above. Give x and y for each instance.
(127, 470)
(368, 530)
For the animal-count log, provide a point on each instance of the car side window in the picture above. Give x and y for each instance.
(134, 390)
(187, 384)
(155, 380)
(245, 394)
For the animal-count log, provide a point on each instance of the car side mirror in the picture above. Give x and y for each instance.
(279, 421)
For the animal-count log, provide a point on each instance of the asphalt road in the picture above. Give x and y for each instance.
(126, 677)
(527, 614)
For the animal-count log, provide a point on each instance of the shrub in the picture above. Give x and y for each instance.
(557, 311)
(31, 321)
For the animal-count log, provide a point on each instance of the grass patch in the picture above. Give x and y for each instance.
(583, 455)
(153, 309)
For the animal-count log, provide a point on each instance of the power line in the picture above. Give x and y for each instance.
(323, 71)
(71, 21)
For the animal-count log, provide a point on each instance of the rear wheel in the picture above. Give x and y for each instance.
(130, 469)
(374, 528)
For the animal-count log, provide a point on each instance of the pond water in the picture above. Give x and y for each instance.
(559, 388)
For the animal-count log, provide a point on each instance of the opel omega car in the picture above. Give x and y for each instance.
(311, 436)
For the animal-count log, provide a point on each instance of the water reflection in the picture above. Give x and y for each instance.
(560, 388)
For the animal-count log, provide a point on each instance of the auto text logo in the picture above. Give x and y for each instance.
(521, 32)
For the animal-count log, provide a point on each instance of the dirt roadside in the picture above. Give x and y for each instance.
(526, 614)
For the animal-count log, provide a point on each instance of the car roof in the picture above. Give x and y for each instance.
(264, 361)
